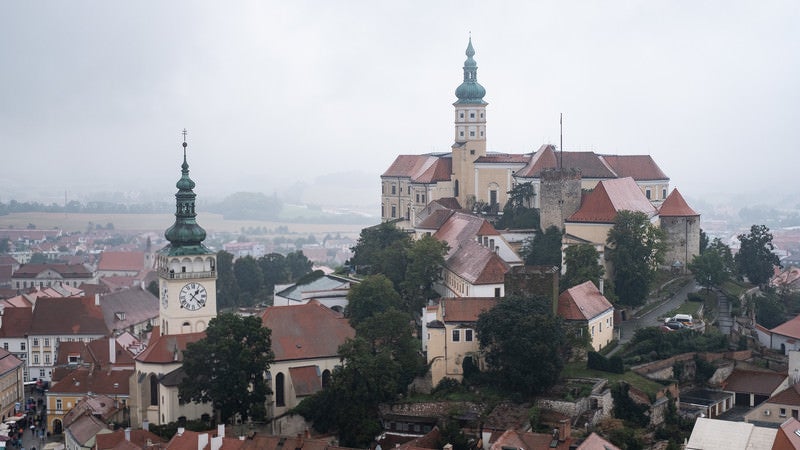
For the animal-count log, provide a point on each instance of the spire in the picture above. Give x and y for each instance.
(470, 91)
(185, 236)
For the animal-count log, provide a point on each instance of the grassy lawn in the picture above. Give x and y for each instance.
(733, 288)
(578, 369)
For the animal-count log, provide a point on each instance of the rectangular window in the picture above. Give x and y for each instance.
(41, 373)
(58, 404)
(592, 330)
(423, 198)
(5, 345)
(472, 115)
(36, 358)
(47, 342)
(496, 292)
(22, 346)
(394, 211)
(461, 133)
(467, 335)
(471, 134)
(417, 198)
(783, 412)
(35, 342)
(647, 193)
(409, 190)
(663, 193)
(456, 335)
(47, 358)
(394, 189)
(461, 115)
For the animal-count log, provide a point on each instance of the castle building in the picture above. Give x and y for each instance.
(478, 179)
(187, 280)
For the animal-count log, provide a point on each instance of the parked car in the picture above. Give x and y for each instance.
(674, 325)
(685, 319)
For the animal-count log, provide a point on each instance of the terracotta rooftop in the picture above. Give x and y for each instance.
(435, 220)
(758, 382)
(609, 197)
(790, 328)
(84, 380)
(582, 302)
(139, 438)
(595, 442)
(65, 270)
(67, 316)
(638, 167)
(503, 158)
(547, 158)
(676, 206)
(788, 396)
(128, 307)
(788, 436)
(8, 362)
(465, 309)
(167, 349)
(306, 331)
(121, 261)
(16, 322)
(420, 168)
(306, 380)
(476, 264)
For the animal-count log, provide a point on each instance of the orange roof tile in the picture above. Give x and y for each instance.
(676, 206)
(465, 309)
(582, 302)
(16, 322)
(420, 168)
(477, 264)
(67, 316)
(788, 396)
(609, 197)
(84, 380)
(306, 331)
(638, 167)
(167, 349)
(790, 328)
(759, 382)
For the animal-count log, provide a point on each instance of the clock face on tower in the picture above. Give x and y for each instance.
(193, 296)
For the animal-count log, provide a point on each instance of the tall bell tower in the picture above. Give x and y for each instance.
(470, 130)
(187, 269)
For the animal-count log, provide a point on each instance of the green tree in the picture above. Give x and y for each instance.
(713, 266)
(755, 258)
(392, 332)
(249, 279)
(425, 261)
(382, 249)
(38, 258)
(583, 264)
(274, 270)
(703, 241)
(5, 245)
(297, 265)
(226, 368)
(525, 344)
(636, 248)
(152, 287)
(227, 287)
(375, 294)
(518, 212)
(544, 249)
(770, 310)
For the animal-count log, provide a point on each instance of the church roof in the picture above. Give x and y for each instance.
(465, 309)
(421, 168)
(608, 198)
(676, 206)
(167, 349)
(638, 167)
(306, 331)
(582, 302)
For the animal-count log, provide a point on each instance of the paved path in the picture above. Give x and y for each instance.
(652, 317)
(724, 320)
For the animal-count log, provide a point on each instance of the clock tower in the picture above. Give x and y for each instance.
(187, 269)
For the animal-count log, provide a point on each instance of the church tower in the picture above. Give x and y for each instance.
(187, 269)
(470, 131)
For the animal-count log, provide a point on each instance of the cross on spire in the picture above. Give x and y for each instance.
(184, 133)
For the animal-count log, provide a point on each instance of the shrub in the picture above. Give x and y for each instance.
(597, 361)
(695, 297)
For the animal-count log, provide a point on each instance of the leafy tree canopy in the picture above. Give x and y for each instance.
(525, 344)
(544, 249)
(376, 245)
(583, 264)
(713, 266)
(518, 212)
(425, 261)
(227, 367)
(372, 296)
(636, 248)
(755, 258)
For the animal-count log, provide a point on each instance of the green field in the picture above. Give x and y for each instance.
(160, 222)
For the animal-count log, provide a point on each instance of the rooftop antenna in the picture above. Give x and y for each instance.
(561, 138)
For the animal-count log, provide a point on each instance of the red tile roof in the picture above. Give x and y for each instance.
(754, 381)
(595, 442)
(306, 331)
(787, 436)
(590, 165)
(306, 380)
(609, 197)
(84, 380)
(125, 261)
(167, 349)
(529, 441)
(582, 302)
(503, 158)
(16, 322)
(638, 167)
(8, 362)
(435, 220)
(465, 309)
(790, 328)
(420, 168)
(140, 438)
(676, 206)
(477, 264)
(67, 316)
(65, 270)
(788, 396)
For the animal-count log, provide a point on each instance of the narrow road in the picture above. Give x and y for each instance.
(651, 318)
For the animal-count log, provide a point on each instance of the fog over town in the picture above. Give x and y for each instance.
(313, 100)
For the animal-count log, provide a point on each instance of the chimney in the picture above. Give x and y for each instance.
(221, 430)
(96, 299)
(202, 440)
(112, 350)
(564, 430)
(216, 442)
(146, 426)
(128, 434)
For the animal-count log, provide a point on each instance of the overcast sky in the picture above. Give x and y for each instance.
(94, 94)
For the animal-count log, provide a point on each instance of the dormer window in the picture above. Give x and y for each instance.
(119, 315)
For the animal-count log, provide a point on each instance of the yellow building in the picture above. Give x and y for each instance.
(585, 306)
(11, 384)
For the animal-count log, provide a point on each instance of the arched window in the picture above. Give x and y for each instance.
(153, 390)
(326, 378)
(280, 398)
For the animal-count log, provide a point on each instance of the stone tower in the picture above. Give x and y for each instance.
(560, 196)
(187, 269)
(682, 227)
(470, 131)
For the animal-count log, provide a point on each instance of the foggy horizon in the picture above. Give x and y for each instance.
(279, 98)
